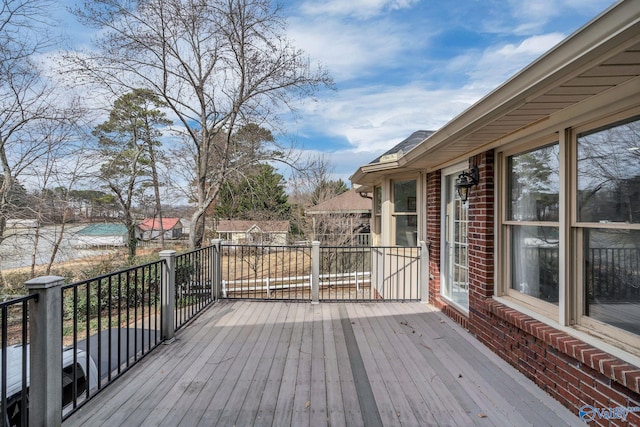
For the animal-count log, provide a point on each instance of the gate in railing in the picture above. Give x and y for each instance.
(354, 273)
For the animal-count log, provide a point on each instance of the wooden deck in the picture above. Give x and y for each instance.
(340, 364)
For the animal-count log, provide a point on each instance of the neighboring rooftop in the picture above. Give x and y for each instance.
(404, 146)
(234, 225)
(349, 202)
(154, 224)
(103, 230)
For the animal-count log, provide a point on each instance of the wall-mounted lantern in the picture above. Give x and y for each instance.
(465, 181)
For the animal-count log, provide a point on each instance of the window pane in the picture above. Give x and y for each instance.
(534, 186)
(612, 275)
(404, 196)
(378, 200)
(406, 230)
(609, 174)
(534, 262)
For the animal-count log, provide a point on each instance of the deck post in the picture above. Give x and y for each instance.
(216, 269)
(45, 353)
(424, 272)
(168, 302)
(315, 272)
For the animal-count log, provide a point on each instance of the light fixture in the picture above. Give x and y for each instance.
(465, 181)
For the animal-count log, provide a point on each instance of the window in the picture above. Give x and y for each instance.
(608, 223)
(598, 233)
(377, 206)
(405, 212)
(531, 223)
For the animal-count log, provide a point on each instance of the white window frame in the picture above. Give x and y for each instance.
(448, 171)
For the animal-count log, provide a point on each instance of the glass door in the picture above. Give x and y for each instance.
(455, 280)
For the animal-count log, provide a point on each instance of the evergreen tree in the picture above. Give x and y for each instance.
(127, 140)
(257, 196)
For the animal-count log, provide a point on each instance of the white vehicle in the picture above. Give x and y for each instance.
(15, 403)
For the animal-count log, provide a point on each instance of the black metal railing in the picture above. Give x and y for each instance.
(266, 272)
(194, 283)
(396, 273)
(15, 357)
(111, 321)
(345, 273)
(354, 273)
(613, 274)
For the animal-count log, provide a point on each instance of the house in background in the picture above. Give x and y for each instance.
(343, 219)
(171, 227)
(529, 202)
(105, 234)
(253, 232)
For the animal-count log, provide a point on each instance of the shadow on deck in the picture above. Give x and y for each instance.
(340, 364)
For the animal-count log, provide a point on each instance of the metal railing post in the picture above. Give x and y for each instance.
(168, 295)
(424, 272)
(315, 272)
(45, 354)
(216, 265)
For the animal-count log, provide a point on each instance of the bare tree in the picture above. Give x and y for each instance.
(75, 171)
(311, 185)
(218, 64)
(34, 120)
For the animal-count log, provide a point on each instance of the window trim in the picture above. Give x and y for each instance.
(617, 337)
(505, 226)
(393, 215)
(568, 315)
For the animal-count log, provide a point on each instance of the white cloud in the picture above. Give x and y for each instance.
(490, 68)
(532, 46)
(375, 118)
(362, 9)
(354, 50)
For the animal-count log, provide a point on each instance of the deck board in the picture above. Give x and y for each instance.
(426, 405)
(352, 411)
(219, 393)
(285, 363)
(334, 397)
(232, 415)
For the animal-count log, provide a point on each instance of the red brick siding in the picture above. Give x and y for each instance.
(572, 371)
(434, 234)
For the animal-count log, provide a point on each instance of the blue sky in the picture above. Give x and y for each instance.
(404, 65)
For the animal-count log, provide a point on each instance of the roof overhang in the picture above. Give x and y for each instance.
(602, 55)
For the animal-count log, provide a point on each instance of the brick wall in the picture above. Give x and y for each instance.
(433, 234)
(573, 372)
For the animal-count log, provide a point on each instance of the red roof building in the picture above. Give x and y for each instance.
(151, 228)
